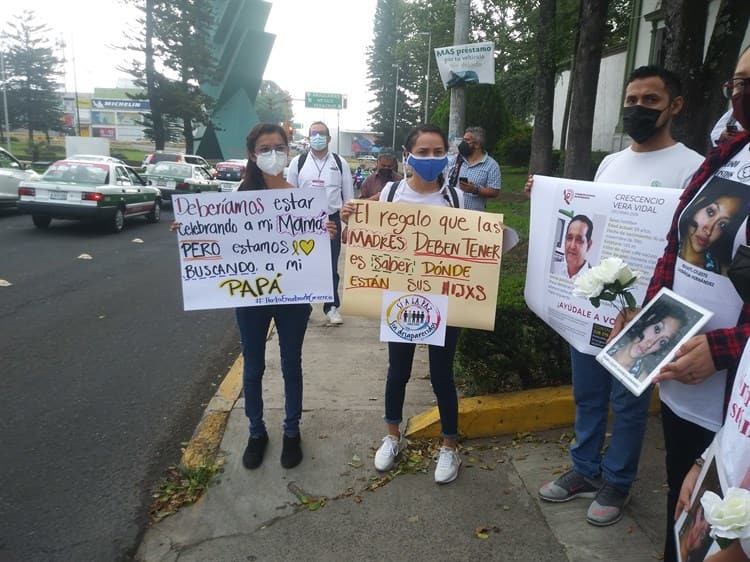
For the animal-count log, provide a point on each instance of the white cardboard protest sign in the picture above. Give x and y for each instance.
(253, 248)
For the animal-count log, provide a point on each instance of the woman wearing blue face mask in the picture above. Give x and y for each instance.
(425, 150)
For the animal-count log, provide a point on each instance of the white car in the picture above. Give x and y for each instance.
(95, 158)
(12, 173)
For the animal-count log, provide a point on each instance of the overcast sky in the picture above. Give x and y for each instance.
(312, 52)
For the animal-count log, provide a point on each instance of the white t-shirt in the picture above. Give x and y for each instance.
(709, 287)
(405, 194)
(324, 173)
(673, 166)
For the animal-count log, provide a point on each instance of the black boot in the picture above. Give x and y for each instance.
(291, 452)
(253, 456)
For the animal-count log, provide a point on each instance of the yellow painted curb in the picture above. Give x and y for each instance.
(204, 444)
(507, 414)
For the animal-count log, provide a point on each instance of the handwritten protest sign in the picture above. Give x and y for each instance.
(424, 250)
(625, 221)
(253, 248)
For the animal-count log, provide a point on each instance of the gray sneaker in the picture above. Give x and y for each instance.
(570, 485)
(607, 508)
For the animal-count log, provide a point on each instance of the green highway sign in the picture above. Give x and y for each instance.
(323, 101)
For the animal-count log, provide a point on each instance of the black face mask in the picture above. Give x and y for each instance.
(464, 148)
(640, 122)
(385, 172)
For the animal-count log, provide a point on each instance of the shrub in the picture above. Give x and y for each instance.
(515, 147)
(521, 353)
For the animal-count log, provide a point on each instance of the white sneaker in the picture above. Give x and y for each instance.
(447, 466)
(388, 451)
(334, 316)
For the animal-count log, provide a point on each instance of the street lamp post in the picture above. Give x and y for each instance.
(395, 107)
(427, 75)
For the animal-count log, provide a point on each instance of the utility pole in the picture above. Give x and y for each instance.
(457, 116)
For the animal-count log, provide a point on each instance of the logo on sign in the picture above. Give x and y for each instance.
(413, 317)
(568, 195)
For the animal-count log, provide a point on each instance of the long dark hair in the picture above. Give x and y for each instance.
(253, 175)
(721, 250)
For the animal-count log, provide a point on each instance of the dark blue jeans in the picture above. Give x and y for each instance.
(291, 324)
(594, 389)
(400, 358)
(335, 252)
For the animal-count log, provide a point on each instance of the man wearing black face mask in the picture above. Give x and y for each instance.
(479, 174)
(652, 99)
(385, 171)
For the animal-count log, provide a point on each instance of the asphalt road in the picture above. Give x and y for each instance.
(102, 377)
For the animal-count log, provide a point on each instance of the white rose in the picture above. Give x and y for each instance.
(730, 517)
(608, 270)
(626, 274)
(587, 285)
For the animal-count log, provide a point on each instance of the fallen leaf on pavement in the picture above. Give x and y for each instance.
(413, 519)
(356, 462)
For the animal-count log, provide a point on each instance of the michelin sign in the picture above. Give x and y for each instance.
(466, 64)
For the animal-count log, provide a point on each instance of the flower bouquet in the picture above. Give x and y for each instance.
(729, 517)
(609, 281)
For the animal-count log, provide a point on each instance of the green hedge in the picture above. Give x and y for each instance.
(521, 353)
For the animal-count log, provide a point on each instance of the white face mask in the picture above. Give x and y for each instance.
(318, 142)
(271, 163)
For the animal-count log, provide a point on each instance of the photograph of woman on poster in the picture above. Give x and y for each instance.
(646, 343)
(709, 224)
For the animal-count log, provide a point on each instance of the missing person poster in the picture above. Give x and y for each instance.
(576, 224)
(253, 248)
(424, 250)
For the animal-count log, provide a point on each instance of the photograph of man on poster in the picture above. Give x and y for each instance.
(577, 246)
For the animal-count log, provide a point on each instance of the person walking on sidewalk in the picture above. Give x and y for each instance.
(268, 149)
(652, 99)
(425, 148)
(326, 170)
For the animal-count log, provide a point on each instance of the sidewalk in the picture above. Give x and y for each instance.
(253, 515)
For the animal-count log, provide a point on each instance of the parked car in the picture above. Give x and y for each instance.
(230, 174)
(95, 158)
(12, 173)
(81, 190)
(157, 157)
(177, 177)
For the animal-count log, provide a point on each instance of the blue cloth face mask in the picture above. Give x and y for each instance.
(428, 168)
(318, 142)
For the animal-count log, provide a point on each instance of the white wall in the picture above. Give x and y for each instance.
(608, 103)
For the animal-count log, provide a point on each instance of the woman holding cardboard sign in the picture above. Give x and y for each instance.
(268, 150)
(425, 150)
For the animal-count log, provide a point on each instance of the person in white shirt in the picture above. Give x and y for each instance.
(425, 151)
(323, 169)
(577, 245)
(652, 100)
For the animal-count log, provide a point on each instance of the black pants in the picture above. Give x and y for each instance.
(684, 441)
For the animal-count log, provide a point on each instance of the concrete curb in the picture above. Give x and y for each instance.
(204, 444)
(506, 414)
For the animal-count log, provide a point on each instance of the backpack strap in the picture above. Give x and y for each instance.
(452, 197)
(338, 163)
(391, 186)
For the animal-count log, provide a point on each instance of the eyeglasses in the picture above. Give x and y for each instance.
(318, 134)
(734, 86)
(265, 149)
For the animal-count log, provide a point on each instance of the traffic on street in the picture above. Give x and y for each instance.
(104, 377)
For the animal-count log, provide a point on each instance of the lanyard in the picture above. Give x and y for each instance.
(320, 168)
